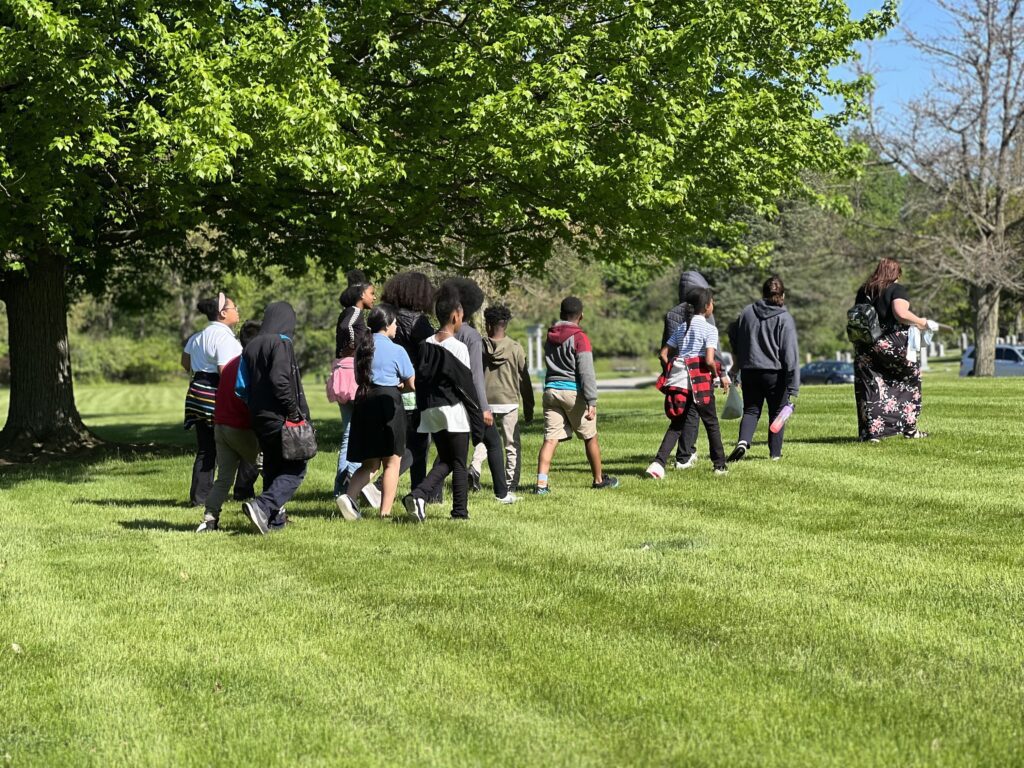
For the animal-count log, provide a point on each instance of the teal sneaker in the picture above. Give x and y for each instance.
(541, 490)
(608, 481)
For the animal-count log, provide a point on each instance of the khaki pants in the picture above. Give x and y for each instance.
(233, 445)
(508, 427)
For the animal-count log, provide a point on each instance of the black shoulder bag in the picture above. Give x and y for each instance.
(298, 438)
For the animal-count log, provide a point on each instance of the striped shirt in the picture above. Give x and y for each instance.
(694, 339)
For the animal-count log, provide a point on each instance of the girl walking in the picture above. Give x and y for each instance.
(764, 344)
(204, 357)
(383, 372)
(692, 368)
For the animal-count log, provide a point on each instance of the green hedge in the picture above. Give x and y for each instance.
(118, 358)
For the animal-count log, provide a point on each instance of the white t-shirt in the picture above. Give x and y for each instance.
(452, 418)
(212, 348)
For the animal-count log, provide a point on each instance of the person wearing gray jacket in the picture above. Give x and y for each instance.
(765, 352)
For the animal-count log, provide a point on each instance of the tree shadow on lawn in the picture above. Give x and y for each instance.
(130, 502)
(80, 468)
(828, 440)
(158, 525)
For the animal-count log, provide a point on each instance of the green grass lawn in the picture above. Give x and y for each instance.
(850, 605)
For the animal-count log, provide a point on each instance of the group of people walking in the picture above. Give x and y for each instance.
(413, 370)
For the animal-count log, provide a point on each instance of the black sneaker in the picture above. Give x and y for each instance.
(738, 452)
(474, 481)
(258, 516)
(209, 524)
(608, 481)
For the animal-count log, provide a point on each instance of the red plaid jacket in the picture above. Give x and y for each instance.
(702, 384)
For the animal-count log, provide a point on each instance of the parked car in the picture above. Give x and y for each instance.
(827, 372)
(1009, 361)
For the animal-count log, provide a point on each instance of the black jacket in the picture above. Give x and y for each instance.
(275, 386)
(413, 329)
(688, 282)
(443, 379)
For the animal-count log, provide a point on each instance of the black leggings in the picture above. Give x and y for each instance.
(759, 387)
(204, 465)
(452, 448)
(679, 426)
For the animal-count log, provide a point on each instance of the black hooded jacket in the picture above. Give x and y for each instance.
(413, 329)
(688, 282)
(443, 379)
(275, 386)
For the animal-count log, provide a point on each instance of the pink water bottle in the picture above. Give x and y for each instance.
(780, 420)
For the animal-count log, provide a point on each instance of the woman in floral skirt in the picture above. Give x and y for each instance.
(887, 385)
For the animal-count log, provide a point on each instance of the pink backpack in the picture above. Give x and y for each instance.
(341, 384)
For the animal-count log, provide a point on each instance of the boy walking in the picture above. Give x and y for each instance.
(506, 379)
(570, 395)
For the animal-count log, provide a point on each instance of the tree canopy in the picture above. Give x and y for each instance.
(221, 133)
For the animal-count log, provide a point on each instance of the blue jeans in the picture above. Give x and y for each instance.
(346, 468)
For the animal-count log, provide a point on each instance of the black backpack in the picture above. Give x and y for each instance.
(862, 326)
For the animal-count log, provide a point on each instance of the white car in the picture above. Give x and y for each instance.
(1009, 361)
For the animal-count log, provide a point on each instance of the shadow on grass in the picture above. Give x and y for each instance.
(829, 440)
(79, 467)
(130, 502)
(157, 525)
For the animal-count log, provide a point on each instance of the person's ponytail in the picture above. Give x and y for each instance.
(380, 318)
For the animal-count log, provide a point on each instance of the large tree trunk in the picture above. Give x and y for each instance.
(986, 329)
(42, 417)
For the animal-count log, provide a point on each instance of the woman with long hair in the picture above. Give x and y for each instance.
(887, 385)
(764, 347)
(204, 357)
(357, 298)
(383, 371)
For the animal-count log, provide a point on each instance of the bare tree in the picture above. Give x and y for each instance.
(961, 142)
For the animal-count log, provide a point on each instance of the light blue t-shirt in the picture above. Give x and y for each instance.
(391, 364)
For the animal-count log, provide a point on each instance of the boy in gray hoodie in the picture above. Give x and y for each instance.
(570, 395)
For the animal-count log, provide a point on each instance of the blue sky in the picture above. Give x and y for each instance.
(900, 72)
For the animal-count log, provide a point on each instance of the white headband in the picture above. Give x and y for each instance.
(221, 301)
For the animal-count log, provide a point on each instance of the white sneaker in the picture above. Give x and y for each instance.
(688, 464)
(347, 507)
(372, 495)
(509, 498)
(655, 471)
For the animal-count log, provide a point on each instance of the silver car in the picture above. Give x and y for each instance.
(1009, 361)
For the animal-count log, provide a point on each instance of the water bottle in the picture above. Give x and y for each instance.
(780, 420)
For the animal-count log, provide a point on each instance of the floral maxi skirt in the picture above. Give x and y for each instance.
(887, 387)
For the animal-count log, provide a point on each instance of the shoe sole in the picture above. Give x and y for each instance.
(250, 512)
(737, 454)
(347, 512)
